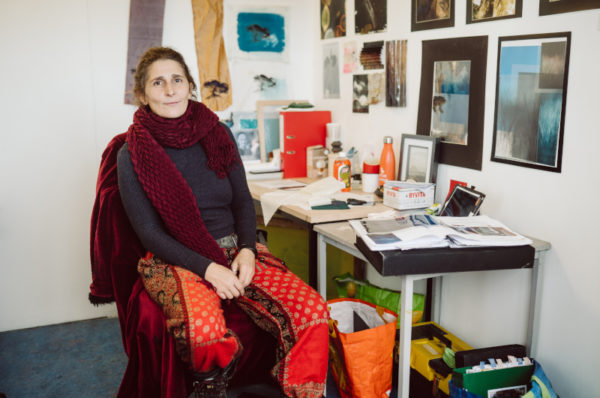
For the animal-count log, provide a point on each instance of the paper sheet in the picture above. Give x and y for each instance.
(315, 194)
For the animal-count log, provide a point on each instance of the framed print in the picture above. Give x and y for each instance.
(452, 98)
(432, 14)
(531, 96)
(418, 158)
(267, 117)
(491, 10)
(549, 7)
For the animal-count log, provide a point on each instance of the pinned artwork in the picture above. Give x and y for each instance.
(350, 57)
(370, 55)
(360, 94)
(145, 31)
(370, 16)
(395, 69)
(376, 88)
(331, 70)
(491, 10)
(260, 34)
(333, 18)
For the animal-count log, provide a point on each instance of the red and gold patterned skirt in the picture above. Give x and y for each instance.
(276, 300)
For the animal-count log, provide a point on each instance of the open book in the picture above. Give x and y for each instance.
(420, 231)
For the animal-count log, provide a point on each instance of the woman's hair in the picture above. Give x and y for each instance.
(148, 58)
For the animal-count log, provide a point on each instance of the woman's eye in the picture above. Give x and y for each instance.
(156, 83)
(178, 80)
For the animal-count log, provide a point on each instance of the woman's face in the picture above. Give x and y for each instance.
(167, 91)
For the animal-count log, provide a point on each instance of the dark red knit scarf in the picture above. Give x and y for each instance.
(168, 191)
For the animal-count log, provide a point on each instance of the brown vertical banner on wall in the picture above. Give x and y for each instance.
(395, 69)
(215, 83)
(145, 31)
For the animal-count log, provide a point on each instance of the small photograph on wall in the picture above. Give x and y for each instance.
(531, 94)
(370, 55)
(360, 94)
(245, 131)
(350, 56)
(333, 18)
(376, 88)
(331, 70)
(450, 101)
(491, 10)
(395, 69)
(432, 14)
(370, 16)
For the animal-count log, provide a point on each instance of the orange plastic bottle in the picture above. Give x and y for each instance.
(387, 164)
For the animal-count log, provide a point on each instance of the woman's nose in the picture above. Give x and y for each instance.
(169, 90)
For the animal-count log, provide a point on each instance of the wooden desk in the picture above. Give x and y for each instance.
(342, 236)
(310, 218)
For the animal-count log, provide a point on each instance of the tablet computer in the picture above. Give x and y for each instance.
(462, 202)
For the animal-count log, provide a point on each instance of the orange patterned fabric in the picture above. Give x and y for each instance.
(276, 300)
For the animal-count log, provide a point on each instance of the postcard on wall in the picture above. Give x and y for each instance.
(360, 94)
(350, 56)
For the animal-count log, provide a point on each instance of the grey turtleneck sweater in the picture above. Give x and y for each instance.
(225, 204)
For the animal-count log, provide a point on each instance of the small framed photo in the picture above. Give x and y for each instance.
(549, 7)
(418, 159)
(492, 10)
(432, 14)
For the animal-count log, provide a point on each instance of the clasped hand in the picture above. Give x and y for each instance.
(230, 283)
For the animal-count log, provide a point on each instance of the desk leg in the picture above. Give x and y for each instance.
(534, 303)
(406, 304)
(322, 266)
(312, 258)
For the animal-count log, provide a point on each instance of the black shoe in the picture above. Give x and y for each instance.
(213, 384)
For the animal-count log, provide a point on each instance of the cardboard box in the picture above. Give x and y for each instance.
(406, 196)
(316, 161)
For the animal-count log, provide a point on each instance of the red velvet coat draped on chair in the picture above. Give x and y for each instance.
(154, 368)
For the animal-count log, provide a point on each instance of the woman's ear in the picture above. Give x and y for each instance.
(142, 99)
(191, 91)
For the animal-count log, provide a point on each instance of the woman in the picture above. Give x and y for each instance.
(184, 190)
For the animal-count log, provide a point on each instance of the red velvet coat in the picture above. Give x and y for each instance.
(153, 369)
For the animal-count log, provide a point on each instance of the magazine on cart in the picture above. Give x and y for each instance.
(419, 231)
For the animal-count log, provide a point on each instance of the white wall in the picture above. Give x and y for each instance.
(490, 308)
(63, 76)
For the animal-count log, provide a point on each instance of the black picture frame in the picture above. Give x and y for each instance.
(537, 88)
(550, 7)
(422, 15)
(418, 158)
(473, 49)
(518, 10)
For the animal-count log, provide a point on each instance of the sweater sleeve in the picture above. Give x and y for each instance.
(147, 223)
(242, 204)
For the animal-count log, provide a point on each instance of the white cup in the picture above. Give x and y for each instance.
(370, 182)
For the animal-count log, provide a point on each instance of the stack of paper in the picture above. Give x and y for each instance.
(418, 231)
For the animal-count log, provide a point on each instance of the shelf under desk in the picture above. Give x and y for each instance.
(414, 265)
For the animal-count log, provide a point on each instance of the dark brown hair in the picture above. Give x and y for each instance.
(148, 58)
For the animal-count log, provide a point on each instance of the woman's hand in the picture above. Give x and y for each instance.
(226, 283)
(243, 266)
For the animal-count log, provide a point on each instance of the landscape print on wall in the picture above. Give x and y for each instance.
(530, 100)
